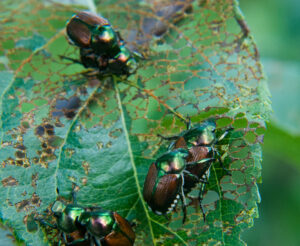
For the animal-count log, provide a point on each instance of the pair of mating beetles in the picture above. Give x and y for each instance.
(79, 224)
(101, 47)
(185, 164)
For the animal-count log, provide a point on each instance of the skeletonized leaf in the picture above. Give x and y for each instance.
(61, 127)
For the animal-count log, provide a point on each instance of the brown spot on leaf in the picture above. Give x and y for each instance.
(35, 200)
(100, 145)
(39, 131)
(69, 152)
(84, 181)
(28, 204)
(115, 133)
(86, 167)
(22, 205)
(20, 154)
(49, 129)
(66, 107)
(21, 147)
(49, 142)
(109, 144)
(34, 178)
(48, 151)
(9, 181)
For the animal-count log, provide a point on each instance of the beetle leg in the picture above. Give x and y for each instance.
(191, 175)
(195, 177)
(206, 178)
(199, 162)
(77, 241)
(200, 198)
(95, 207)
(45, 223)
(74, 198)
(224, 134)
(183, 202)
(221, 163)
(168, 138)
(120, 37)
(70, 59)
(96, 241)
(64, 237)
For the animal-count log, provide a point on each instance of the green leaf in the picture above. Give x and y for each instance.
(6, 237)
(60, 127)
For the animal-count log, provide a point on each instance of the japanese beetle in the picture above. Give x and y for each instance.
(78, 224)
(108, 227)
(87, 30)
(124, 62)
(164, 183)
(200, 135)
(67, 221)
(200, 142)
(101, 47)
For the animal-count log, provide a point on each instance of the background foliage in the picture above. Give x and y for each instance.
(60, 127)
(276, 28)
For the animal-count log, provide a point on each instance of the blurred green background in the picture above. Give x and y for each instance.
(275, 25)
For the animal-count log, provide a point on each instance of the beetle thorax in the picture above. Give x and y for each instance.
(100, 224)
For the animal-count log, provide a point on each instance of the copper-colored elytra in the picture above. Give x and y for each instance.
(180, 143)
(166, 192)
(79, 33)
(124, 237)
(91, 19)
(150, 183)
(161, 197)
(197, 153)
(78, 28)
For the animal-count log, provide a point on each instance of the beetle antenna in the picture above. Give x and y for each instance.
(70, 59)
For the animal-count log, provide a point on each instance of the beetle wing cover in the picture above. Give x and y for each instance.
(92, 19)
(180, 143)
(79, 33)
(150, 183)
(124, 226)
(196, 153)
(165, 193)
(115, 238)
(79, 28)
(160, 195)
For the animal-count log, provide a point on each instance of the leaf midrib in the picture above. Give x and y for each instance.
(132, 161)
